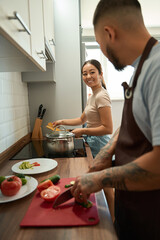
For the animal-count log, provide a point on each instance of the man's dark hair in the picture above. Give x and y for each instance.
(108, 6)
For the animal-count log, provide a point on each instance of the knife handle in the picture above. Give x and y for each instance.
(43, 112)
(39, 110)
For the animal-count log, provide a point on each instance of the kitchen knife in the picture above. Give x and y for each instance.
(39, 110)
(42, 114)
(64, 197)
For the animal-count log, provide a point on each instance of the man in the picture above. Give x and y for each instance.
(124, 40)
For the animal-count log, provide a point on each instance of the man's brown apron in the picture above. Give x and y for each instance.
(137, 214)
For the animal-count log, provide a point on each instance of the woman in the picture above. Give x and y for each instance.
(97, 113)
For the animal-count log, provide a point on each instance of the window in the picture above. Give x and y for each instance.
(112, 77)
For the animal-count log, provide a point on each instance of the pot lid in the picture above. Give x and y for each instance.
(60, 134)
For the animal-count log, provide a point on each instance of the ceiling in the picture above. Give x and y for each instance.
(150, 10)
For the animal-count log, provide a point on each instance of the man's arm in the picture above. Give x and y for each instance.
(143, 174)
(104, 157)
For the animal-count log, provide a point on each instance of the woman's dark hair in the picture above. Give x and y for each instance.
(97, 64)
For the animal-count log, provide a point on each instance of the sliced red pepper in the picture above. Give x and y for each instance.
(36, 164)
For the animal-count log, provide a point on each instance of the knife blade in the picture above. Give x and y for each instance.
(39, 110)
(63, 197)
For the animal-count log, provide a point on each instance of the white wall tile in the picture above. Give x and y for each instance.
(9, 114)
(3, 145)
(7, 87)
(1, 116)
(14, 109)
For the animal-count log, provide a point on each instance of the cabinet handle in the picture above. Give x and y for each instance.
(52, 42)
(18, 17)
(43, 55)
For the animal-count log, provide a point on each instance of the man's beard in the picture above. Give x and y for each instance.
(114, 60)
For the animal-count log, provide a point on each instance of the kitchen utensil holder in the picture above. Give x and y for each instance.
(37, 130)
(38, 146)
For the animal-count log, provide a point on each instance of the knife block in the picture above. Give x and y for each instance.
(37, 130)
(38, 146)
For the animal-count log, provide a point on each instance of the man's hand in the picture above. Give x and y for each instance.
(85, 185)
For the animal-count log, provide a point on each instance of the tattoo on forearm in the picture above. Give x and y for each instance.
(113, 179)
(87, 181)
(117, 177)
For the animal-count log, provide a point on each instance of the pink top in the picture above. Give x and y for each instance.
(99, 98)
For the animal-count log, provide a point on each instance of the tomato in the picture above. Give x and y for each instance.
(11, 186)
(43, 185)
(51, 193)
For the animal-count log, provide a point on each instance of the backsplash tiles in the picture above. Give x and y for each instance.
(14, 109)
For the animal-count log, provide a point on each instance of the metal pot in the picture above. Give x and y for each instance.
(60, 141)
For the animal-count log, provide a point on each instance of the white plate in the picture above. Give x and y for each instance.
(46, 164)
(25, 190)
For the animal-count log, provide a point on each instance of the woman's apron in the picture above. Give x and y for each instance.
(137, 214)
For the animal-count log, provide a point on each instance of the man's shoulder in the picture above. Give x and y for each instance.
(154, 57)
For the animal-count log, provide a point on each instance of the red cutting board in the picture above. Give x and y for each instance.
(41, 213)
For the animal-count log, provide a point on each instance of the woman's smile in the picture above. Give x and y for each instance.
(91, 76)
(90, 81)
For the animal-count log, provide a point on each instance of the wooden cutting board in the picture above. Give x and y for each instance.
(41, 213)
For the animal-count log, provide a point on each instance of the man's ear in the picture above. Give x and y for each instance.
(110, 33)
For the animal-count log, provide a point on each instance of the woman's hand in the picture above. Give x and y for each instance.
(85, 185)
(57, 123)
(78, 132)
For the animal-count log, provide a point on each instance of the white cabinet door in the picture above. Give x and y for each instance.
(37, 39)
(48, 14)
(15, 24)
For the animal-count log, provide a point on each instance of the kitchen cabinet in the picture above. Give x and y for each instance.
(22, 30)
(15, 23)
(48, 18)
(37, 39)
(14, 60)
(39, 76)
(48, 23)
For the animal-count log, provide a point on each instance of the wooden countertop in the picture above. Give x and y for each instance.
(12, 213)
